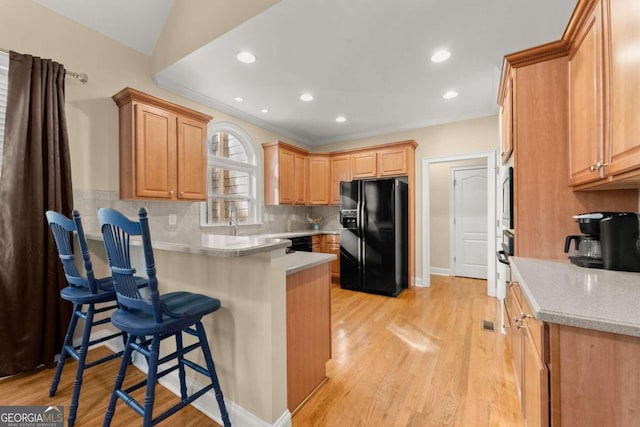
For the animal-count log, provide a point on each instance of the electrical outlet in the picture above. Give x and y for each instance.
(173, 219)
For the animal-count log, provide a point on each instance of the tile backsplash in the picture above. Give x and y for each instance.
(275, 219)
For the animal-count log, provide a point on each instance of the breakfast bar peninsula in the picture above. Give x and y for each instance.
(248, 335)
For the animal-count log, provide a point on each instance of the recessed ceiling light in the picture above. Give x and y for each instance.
(239, 98)
(306, 97)
(440, 55)
(264, 110)
(341, 119)
(450, 94)
(246, 57)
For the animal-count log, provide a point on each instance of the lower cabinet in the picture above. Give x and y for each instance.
(528, 355)
(308, 332)
(331, 245)
(316, 243)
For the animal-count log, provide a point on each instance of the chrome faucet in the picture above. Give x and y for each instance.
(233, 219)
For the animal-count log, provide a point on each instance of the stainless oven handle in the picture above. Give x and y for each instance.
(502, 257)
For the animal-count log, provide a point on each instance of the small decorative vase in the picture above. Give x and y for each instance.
(316, 226)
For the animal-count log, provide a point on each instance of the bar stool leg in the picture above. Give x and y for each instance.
(82, 357)
(68, 342)
(126, 358)
(152, 376)
(181, 370)
(212, 374)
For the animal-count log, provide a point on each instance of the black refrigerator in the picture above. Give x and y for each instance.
(374, 235)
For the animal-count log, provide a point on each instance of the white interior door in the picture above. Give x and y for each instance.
(470, 222)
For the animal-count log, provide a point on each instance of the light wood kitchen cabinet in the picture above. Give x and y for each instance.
(586, 107)
(605, 97)
(308, 332)
(594, 377)
(285, 174)
(316, 243)
(340, 171)
(319, 179)
(331, 245)
(623, 30)
(300, 178)
(393, 161)
(364, 164)
(506, 122)
(528, 351)
(162, 149)
(541, 155)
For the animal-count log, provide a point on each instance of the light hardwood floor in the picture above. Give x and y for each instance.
(421, 359)
(33, 389)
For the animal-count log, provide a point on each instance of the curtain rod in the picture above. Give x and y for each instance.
(82, 77)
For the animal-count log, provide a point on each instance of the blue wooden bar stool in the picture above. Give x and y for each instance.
(82, 291)
(153, 319)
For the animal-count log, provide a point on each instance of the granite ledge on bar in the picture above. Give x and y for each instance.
(299, 261)
(210, 244)
(562, 293)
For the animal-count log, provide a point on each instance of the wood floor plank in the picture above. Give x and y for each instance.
(421, 359)
(33, 389)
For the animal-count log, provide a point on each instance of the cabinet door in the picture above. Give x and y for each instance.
(506, 122)
(155, 152)
(364, 164)
(340, 171)
(515, 341)
(586, 133)
(393, 162)
(536, 390)
(192, 159)
(318, 180)
(332, 246)
(624, 131)
(286, 174)
(300, 179)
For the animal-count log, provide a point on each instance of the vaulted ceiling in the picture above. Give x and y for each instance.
(365, 60)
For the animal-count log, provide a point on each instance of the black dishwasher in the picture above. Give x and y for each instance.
(301, 243)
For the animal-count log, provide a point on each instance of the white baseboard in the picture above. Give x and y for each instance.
(207, 403)
(438, 271)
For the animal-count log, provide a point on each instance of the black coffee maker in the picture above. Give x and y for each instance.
(610, 240)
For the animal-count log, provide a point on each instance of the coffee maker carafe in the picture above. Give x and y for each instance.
(587, 251)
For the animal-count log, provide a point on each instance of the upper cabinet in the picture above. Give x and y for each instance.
(506, 121)
(605, 97)
(292, 176)
(319, 179)
(364, 164)
(285, 174)
(393, 161)
(340, 171)
(586, 101)
(623, 64)
(162, 149)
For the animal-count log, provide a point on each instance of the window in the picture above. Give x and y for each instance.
(4, 82)
(231, 176)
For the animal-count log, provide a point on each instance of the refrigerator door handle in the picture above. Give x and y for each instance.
(361, 229)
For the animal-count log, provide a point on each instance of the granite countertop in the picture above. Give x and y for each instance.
(299, 261)
(210, 244)
(298, 233)
(560, 292)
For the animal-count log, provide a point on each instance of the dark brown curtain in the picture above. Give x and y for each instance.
(36, 176)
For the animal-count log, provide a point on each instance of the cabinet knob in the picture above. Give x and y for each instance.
(171, 192)
(597, 166)
(182, 193)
